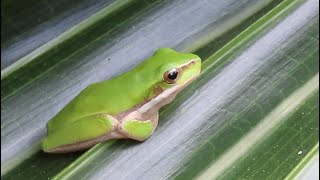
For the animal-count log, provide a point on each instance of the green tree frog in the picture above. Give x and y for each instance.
(125, 106)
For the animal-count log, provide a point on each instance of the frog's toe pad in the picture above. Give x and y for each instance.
(138, 130)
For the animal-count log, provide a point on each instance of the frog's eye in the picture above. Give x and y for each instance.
(171, 76)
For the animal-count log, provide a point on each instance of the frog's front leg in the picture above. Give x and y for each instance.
(138, 126)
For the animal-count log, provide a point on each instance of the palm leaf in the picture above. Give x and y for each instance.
(252, 114)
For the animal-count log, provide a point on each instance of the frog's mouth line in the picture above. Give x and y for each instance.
(167, 96)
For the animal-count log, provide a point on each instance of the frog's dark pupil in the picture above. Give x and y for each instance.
(173, 75)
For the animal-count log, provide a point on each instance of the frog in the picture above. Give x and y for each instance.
(123, 107)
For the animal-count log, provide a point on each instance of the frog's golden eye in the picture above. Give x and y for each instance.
(171, 76)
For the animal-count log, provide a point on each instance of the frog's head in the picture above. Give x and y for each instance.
(173, 71)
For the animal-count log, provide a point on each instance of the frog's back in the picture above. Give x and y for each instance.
(108, 97)
(115, 95)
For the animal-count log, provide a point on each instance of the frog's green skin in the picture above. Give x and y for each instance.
(123, 107)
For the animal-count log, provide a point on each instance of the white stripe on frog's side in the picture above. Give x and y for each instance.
(158, 100)
(162, 99)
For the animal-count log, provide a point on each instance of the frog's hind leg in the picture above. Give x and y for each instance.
(81, 134)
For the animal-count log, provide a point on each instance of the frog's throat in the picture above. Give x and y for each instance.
(163, 98)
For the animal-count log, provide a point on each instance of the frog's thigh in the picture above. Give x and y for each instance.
(86, 128)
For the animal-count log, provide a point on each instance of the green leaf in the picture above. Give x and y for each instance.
(252, 114)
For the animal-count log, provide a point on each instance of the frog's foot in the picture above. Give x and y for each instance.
(135, 127)
(82, 134)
